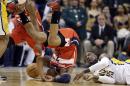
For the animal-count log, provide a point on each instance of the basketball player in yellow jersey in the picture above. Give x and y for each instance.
(4, 32)
(109, 71)
(3, 27)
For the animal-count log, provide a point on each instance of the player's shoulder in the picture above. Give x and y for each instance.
(117, 62)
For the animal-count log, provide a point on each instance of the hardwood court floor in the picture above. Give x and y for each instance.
(18, 77)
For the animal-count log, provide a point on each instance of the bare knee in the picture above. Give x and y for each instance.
(43, 37)
(54, 41)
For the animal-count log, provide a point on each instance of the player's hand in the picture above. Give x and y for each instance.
(88, 77)
(47, 78)
(78, 76)
(95, 78)
(54, 4)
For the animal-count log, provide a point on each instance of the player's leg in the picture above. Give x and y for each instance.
(54, 39)
(40, 37)
(41, 63)
(32, 11)
(3, 44)
(104, 79)
(30, 25)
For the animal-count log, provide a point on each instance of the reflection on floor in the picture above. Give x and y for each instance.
(18, 77)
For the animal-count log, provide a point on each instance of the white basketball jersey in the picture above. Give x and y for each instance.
(119, 72)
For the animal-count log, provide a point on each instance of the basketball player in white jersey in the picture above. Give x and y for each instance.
(109, 71)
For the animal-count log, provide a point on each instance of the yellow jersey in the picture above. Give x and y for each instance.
(3, 18)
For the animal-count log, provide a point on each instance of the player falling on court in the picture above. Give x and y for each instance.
(61, 62)
(64, 56)
(106, 70)
(25, 31)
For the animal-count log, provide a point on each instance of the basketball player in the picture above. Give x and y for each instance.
(63, 59)
(110, 71)
(4, 32)
(20, 34)
(65, 54)
(3, 27)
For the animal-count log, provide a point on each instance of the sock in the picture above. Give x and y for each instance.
(24, 18)
(55, 17)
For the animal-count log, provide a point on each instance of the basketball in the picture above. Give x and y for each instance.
(32, 70)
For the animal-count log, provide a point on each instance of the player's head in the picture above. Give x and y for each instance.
(90, 57)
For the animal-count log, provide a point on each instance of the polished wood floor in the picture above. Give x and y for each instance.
(18, 77)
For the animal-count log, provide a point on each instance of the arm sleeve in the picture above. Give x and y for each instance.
(100, 65)
(106, 80)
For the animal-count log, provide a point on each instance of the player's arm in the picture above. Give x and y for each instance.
(41, 62)
(98, 66)
(104, 79)
(31, 9)
(29, 24)
(37, 36)
(99, 79)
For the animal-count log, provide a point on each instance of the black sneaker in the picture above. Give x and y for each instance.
(3, 78)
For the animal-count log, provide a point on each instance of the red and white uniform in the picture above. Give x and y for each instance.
(19, 33)
(66, 56)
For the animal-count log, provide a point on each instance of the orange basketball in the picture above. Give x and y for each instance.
(32, 70)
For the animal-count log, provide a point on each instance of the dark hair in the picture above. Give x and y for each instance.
(125, 11)
(88, 3)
